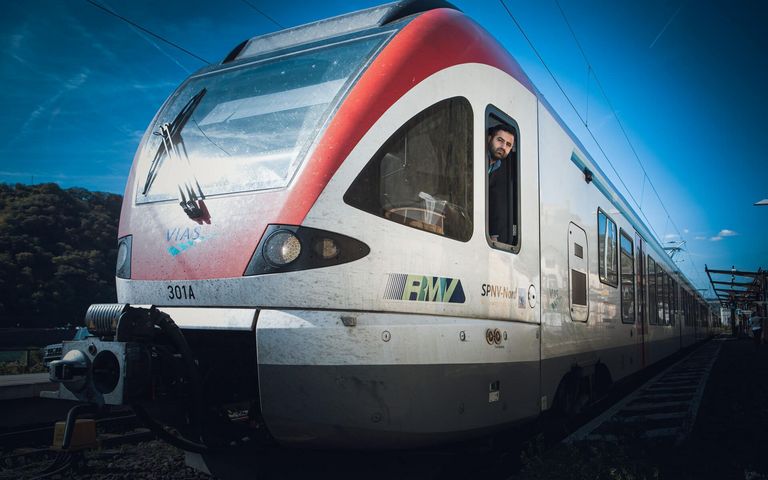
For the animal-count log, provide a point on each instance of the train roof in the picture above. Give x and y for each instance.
(346, 24)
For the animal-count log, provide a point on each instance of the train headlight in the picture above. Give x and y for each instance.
(327, 248)
(282, 248)
(123, 267)
(290, 248)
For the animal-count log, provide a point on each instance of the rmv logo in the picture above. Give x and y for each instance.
(421, 288)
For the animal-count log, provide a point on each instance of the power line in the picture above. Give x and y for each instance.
(599, 146)
(623, 130)
(591, 70)
(615, 115)
(591, 133)
(115, 14)
(262, 13)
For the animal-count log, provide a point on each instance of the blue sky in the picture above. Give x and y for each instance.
(685, 79)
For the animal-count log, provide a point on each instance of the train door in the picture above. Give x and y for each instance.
(577, 273)
(511, 196)
(510, 188)
(642, 312)
(677, 292)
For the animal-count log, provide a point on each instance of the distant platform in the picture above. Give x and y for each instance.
(28, 385)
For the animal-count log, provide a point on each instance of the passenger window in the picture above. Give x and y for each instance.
(667, 297)
(660, 295)
(627, 279)
(607, 249)
(652, 315)
(502, 186)
(422, 176)
(674, 302)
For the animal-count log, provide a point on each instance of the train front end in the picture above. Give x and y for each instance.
(252, 294)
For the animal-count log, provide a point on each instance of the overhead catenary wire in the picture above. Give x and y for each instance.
(262, 13)
(615, 115)
(590, 132)
(147, 31)
(576, 110)
(626, 136)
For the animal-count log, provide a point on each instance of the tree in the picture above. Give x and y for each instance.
(57, 253)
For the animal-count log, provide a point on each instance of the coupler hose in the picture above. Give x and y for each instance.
(173, 332)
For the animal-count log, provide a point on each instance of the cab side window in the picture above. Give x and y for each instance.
(502, 169)
(422, 176)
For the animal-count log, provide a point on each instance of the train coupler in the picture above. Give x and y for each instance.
(110, 367)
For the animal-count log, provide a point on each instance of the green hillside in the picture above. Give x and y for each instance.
(57, 253)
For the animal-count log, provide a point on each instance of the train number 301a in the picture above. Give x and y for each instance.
(180, 292)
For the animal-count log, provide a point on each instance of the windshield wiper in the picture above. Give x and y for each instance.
(172, 145)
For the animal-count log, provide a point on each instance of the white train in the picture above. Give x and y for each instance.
(330, 266)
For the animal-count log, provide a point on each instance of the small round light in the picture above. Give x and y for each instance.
(327, 248)
(282, 248)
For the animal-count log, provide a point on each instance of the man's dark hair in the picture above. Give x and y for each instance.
(501, 127)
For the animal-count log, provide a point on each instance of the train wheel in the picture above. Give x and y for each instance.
(602, 382)
(572, 394)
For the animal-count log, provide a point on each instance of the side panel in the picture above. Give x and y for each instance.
(428, 371)
(496, 283)
(386, 380)
(602, 338)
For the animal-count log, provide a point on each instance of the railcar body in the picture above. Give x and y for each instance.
(312, 215)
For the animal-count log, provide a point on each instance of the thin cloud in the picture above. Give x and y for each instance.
(33, 68)
(16, 41)
(73, 83)
(18, 37)
(163, 52)
(107, 51)
(664, 28)
(47, 177)
(723, 234)
(94, 42)
(141, 34)
(18, 50)
(154, 85)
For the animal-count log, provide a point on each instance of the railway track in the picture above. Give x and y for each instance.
(663, 410)
(36, 435)
(25, 453)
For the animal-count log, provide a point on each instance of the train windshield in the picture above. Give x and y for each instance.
(247, 128)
